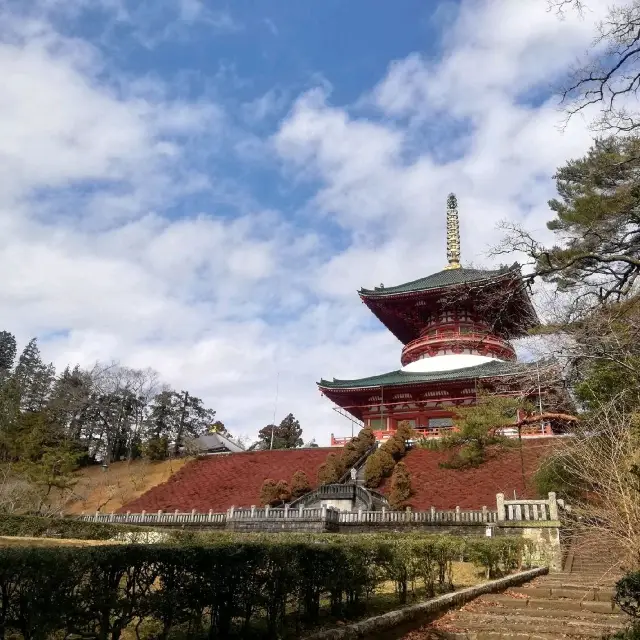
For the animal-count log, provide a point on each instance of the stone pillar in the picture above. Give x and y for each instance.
(485, 515)
(457, 514)
(323, 512)
(286, 511)
(553, 506)
(500, 505)
(253, 511)
(433, 514)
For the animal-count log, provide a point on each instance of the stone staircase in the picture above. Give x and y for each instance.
(576, 603)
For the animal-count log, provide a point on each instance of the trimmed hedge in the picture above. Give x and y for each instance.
(41, 527)
(228, 589)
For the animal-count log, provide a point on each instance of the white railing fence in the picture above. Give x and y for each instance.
(517, 510)
(507, 511)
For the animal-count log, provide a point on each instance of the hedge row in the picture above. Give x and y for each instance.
(249, 589)
(40, 527)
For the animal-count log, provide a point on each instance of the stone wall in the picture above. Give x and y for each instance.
(278, 525)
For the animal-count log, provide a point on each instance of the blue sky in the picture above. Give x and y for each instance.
(201, 187)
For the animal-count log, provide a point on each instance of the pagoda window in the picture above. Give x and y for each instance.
(378, 424)
(440, 423)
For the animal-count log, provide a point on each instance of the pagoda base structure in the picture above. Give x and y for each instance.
(428, 401)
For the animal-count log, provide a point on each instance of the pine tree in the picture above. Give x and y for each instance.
(8, 352)
(290, 433)
(34, 378)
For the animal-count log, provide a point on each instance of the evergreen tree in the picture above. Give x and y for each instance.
(194, 419)
(330, 471)
(287, 435)
(400, 486)
(34, 378)
(290, 433)
(8, 352)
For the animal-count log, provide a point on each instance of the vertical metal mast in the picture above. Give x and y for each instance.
(453, 233)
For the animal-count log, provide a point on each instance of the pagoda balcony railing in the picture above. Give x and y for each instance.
(433, 433)
(473, 341)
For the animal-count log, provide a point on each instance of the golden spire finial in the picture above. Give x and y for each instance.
(453, 233)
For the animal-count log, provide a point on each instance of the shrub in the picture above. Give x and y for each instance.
(231, 587)
(404, 430)
(300, 484)
(69, 528)
(627, 595)
(157, 448)
(400, 486)
(330, 471)
(283, 493)
(365, 440)
(394, 446)
(350, 454)
(379, 465)
(268, 492)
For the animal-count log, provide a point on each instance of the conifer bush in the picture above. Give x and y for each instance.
(300, 484)
(400, 486)
(268, 492)
(330, 471)
(379, 465)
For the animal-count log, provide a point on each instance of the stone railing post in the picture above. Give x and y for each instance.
(253, 511)
(96, 517)
(323, 512)
(433, 514)
(286, 511)
(553, 506)
(210, 515)
(193, 515)
(111, 516)
(457, 514)
(230, 512)
(266, 511)
(359, 515)
(485, 515)
(500, 507)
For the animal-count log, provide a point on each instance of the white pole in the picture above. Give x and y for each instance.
(275, 408)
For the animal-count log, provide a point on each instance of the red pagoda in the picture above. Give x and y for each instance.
(456, 327)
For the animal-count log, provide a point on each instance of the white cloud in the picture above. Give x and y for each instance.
(92, 164)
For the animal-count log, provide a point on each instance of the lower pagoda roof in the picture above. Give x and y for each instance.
(492, 369)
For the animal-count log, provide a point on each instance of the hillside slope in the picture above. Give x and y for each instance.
(97, 489)
(472, 488)
(221, 481)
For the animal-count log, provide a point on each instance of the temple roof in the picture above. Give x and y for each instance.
(397, 378)
(440, 280)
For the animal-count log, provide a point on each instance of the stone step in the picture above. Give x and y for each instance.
(526, 621)
(586, 607)
(600, 595)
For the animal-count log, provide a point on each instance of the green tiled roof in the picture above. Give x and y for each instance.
(444, 278)
(394, 378)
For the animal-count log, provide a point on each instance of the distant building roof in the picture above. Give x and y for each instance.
(217, 442)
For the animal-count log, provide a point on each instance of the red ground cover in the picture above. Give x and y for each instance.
(472, 488)
(221, 481)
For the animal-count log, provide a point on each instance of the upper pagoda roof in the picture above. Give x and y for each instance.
(500, 295)
(491, 369)
(441, 280)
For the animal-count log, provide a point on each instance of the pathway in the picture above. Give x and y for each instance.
(576, 603)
